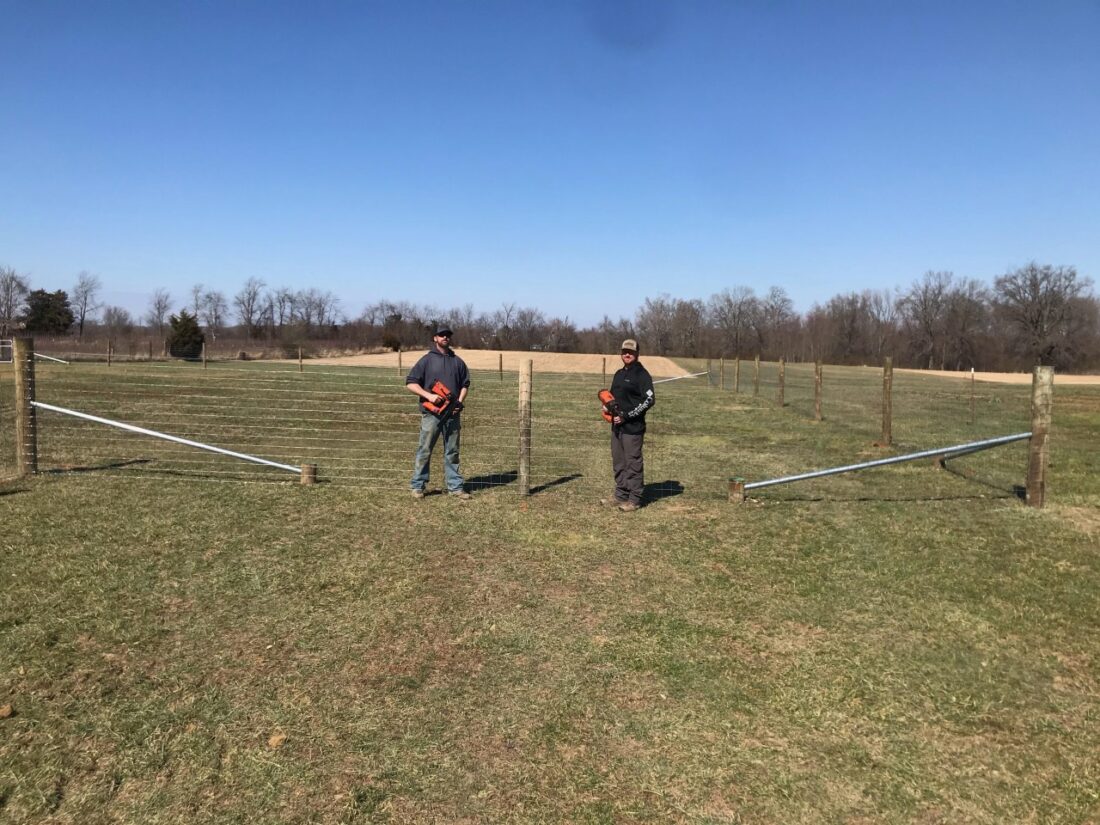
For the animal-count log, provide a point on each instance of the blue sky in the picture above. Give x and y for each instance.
(573, 156)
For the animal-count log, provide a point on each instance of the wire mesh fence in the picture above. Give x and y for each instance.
(360, 425)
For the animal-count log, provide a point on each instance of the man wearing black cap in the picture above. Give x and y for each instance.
(632, 388)
(439, 364)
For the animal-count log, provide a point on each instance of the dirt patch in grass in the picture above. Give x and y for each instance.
(1085, 519)
(490, 359)
(1007, 377)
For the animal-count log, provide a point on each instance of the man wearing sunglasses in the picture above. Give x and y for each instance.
(632, 387)
(439, 364)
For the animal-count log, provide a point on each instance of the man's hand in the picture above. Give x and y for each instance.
(618, 419)
(457, 407)
(433, 398)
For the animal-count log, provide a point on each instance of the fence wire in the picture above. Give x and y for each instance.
(360, 425)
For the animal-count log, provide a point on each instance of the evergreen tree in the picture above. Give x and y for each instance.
(48, 313)
(185, 339)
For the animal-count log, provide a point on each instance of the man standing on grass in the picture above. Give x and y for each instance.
(632, 388)
(439, 364)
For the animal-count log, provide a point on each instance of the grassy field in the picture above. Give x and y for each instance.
(184, 638)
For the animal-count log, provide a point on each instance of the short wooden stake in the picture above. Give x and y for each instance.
(500, 365)
(756, 376)
(817, 391)
(525, 375)
(301, 367)
(737, 490)
(887, 402)
(737, 374)
(309, 474)
(204, 355)
(1042, 402)
(782, 380)
(26, 424)
(399, 369)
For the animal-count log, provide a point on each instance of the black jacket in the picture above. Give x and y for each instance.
(633, 388)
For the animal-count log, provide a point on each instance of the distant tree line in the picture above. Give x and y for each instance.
(1036, 314)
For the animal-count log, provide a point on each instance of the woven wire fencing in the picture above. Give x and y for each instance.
(358, 425)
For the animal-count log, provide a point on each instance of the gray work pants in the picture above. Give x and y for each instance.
(626, 459)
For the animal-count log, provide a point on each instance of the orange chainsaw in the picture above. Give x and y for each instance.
(440, 389)
(609, 407)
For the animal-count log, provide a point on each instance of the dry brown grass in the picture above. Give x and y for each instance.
(490, 359)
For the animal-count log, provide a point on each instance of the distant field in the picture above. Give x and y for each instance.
(184, 638)
(489, 359)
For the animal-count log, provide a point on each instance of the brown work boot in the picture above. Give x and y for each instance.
(629, 506)
(610, 502)
(461, 495)
(418, 494)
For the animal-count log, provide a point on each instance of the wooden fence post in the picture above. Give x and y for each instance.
(710, 382)
(817, 391)
(150, 345)
(887, 402)
(525, 374)
(737, 374)
(971, 395)
(309, 474)
(605, 371)
(737, 490)
(26, 424)
(756, 376)
(782, 380)
(500, 366)
(1042, 400)
(204, 354)
(109, 348)
(301, 367)
(722, 373)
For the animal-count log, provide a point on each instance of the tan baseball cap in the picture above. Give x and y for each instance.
(630, 344)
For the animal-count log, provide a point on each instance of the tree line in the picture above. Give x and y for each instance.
(1035, 314)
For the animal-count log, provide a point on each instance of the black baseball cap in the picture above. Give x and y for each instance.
(445, 331)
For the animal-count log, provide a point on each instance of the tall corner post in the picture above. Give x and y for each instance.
(1042, 403)
(887, 402)
(525, 374)
(26, 424)
(817, 391)
(781, 392)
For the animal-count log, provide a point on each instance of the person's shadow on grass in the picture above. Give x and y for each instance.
(655, 491)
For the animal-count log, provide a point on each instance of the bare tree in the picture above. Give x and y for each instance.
(197, 295)
(965, 324)
(774, 314)
(655, 322)
(117, 321)
(1045, 308)
(14, 289)
(731, 312)
(83, 299)
(214, 310)
(924, 311)
(883, 309)
(248, 303)
(160, 306)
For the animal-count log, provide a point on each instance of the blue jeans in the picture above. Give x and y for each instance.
(430, 430)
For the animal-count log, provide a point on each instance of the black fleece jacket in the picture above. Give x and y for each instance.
(632, 387)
